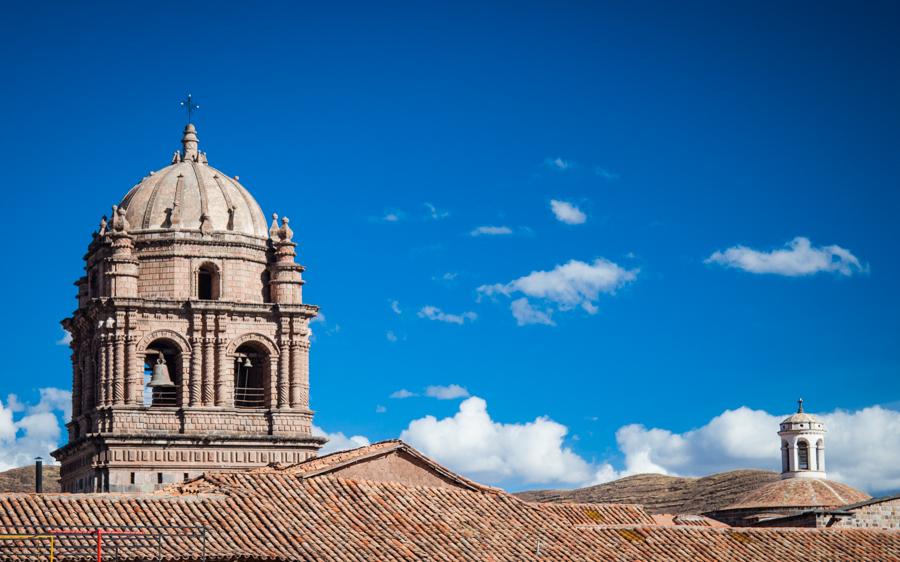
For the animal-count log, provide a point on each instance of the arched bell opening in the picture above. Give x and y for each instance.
(251, 376)
(162, 374)
(803, 455)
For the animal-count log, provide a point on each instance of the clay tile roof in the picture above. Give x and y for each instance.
(598, 513)
(800, 492)
(327, 464)
(687, 520)
(284, 517)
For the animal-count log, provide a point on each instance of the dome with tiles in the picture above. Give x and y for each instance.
(190, 195)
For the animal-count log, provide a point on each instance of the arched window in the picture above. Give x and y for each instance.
(266, 278)
(162, 374)
(251, 376)
(820, 455)
(207, 282)
(802, 455)
(785, 457)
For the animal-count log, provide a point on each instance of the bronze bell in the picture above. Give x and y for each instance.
(247, 363)
(160, 374)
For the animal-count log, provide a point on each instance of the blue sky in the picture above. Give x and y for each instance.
(676, 131)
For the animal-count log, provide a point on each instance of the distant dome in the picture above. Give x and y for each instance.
(800, 492)
(191, 195)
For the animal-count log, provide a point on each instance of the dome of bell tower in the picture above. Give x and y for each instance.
(190, 195)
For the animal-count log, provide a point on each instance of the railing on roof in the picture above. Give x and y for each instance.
(249, 397)
(30, 543)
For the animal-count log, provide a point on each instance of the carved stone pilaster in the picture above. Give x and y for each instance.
(102, 371)
(134, 379)
(207, 398)
(118, 393)
(76, 386)
(224, 380)
(194, 397)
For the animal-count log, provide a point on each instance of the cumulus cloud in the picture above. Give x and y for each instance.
(573, 284)
(567, 212)
(338, 441)
(32, 430)
(434, 313)
(403, 393)
(449, 392)
(499, 453)
(862, 447)
(490, 231)
(526, 314)
(559, 164)
(798, 258)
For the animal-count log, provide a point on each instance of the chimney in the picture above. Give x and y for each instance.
(38, 475)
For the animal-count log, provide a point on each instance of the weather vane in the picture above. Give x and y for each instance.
(189, 104)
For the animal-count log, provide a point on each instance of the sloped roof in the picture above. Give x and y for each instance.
(689, 520)
(800, 492)
(331, 463)
(598, 513)
(283, 517)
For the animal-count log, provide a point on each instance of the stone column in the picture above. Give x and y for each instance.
(120, 370)
(134, 379)
(208, 373)
(224, 382)
(296, 365)
(284, 366)
(110, 369)
(76, 386)
(101, 372)
(196, 361)
(88, 378)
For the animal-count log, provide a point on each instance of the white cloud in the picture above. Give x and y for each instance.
(798, 258)
(379, 409)
(395, 306)
(500, 453)
(338, 441)
(526, 314)
(449, 392)
(436, 214)
(66, 339)
(559, 164)
(391, 336)
(567, 212)
(403, 393)
(573, 284)
(434, 313)
(606, 174)
(862, 447)
(491, 231)
(37, 432)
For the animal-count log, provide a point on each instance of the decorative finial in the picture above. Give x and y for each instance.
(286, 232)
(190, 141)
(190, 106)
(800, 406)
(273, 230)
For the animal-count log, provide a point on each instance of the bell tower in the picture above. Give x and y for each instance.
(802, 445)
(190, 342)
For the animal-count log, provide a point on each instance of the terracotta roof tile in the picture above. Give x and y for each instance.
(800, 492)
(281, 516)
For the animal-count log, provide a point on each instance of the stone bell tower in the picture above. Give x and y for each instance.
(802, 445)
(190, 343)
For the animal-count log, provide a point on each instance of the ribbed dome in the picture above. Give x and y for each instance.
(193, 196)
(800, 492)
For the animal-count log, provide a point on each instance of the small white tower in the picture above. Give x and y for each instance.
(802, 445)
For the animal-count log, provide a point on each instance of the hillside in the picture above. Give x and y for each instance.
(22, 479)
(664, 494)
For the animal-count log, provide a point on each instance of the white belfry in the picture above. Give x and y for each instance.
(802, 445)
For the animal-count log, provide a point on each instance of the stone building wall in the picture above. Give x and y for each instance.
(881, 515)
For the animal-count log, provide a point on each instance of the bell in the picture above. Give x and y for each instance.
(160, 374)
(247, 363)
